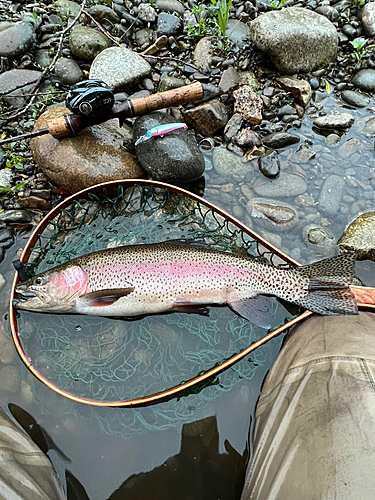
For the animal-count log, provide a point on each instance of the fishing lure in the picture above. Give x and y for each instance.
(160, 131)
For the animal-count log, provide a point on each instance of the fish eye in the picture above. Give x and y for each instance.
(38, 281)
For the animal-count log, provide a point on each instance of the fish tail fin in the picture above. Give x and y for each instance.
(329, 283)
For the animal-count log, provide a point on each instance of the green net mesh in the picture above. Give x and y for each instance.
(106, 359)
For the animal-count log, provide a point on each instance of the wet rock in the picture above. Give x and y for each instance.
(227, 163)
(360, 237)
(278, 140)
(95, 156)
(229, 80)
(249, 78)
(297, 39)
(339, 120)
(43, 58)
(300, 89)
(146, 12)
(6, 238)
(15, 38)
(237, 32)
(208, 117)
(7, 350)
(304, 154)
(168, 24)
(20, 79)
(86, 43)
(328, 11)
(331, 193)
(365, 126)
(145, 36)
(170, 82)
(322, 239)
(6, 177)
(233, 126)
(349, 147)
(203, 54)
(171, 6)
(174, 158)
(272, 214)
(68, 70)
(66, 9)
(270, 165)
(248, 104)
(119, 67)
(332, 140)
(104, 14)
(304, 200)
(34, 202)
(355, 98)
(368, 19)
(285, 185)
(10, 380)
(16, 216)
(248, 138)
(365, 80)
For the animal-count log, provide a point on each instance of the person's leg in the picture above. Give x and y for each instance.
(25, 472)
(314, 434)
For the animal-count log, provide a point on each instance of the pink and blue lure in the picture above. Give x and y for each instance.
(160, 131)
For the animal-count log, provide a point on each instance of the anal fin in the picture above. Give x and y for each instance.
(101, 298)
(256, 309)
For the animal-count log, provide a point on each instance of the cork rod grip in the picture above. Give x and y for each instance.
(174, 97)
(65, 125)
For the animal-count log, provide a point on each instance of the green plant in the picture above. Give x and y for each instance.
(14, 188)
(14, 160)
(277, 4)
(222, 8)
(360, 48)
(204, 26)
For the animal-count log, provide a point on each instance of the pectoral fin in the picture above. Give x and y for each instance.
(256, 309)
(106, 297)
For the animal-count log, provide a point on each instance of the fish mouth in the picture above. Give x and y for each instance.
(28, 297)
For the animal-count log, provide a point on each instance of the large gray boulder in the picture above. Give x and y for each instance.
(297, 39)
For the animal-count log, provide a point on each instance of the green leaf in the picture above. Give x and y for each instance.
(3, 188)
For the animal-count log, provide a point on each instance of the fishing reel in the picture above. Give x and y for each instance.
(90, 98)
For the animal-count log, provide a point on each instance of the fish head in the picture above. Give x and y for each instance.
(55, 290)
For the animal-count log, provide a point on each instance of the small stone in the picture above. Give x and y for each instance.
(249, 78)
(349, 147)
(144, 37)
(119, 67)
(229, 164)
(248, 104)
(7, 348)
(208, 117)
(355, 98)
(248, 138)
(272, 214)
(66, 9)
(233, 126)
(331, 193)
(104, 14)
(203, 52)
(238, 33)
(359, 236)
(328, 11)
(304, 200)
(146, 12)
(285, 185)
(171, 6)
(69, 71)
(339, 120)
(6, 177)
(323, 240)
(168, 24)
(300, 89)
(368, 19)
(22, 81)
(332, 139)
(304, 154)
(278, 140)
(169, 83)
(15, 38)
(270, 165)
(365, 80)
(229, 80)
(86, 43)
(34, 202)
(159, 44)
(10, 380)
(16, 216)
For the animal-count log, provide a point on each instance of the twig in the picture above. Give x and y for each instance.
(105, 32)
(52, 64)
(39, 93)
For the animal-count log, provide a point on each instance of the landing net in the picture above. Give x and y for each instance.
(105, 359)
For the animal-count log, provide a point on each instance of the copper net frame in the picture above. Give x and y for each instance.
(365, 298)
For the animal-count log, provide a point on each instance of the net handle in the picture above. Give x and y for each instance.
(178, 389)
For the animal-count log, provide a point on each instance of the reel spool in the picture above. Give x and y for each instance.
(90, 98)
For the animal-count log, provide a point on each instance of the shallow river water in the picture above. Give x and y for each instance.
(197, 446)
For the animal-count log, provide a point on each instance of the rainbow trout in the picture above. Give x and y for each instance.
(153, 278)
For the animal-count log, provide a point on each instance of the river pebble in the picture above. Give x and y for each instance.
(360, 236)
(338, 120)
(269, 165)
(365, 80)
(331, 193)
(272, 214)
(285, 185)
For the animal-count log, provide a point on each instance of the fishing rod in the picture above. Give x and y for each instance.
(92, 102)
